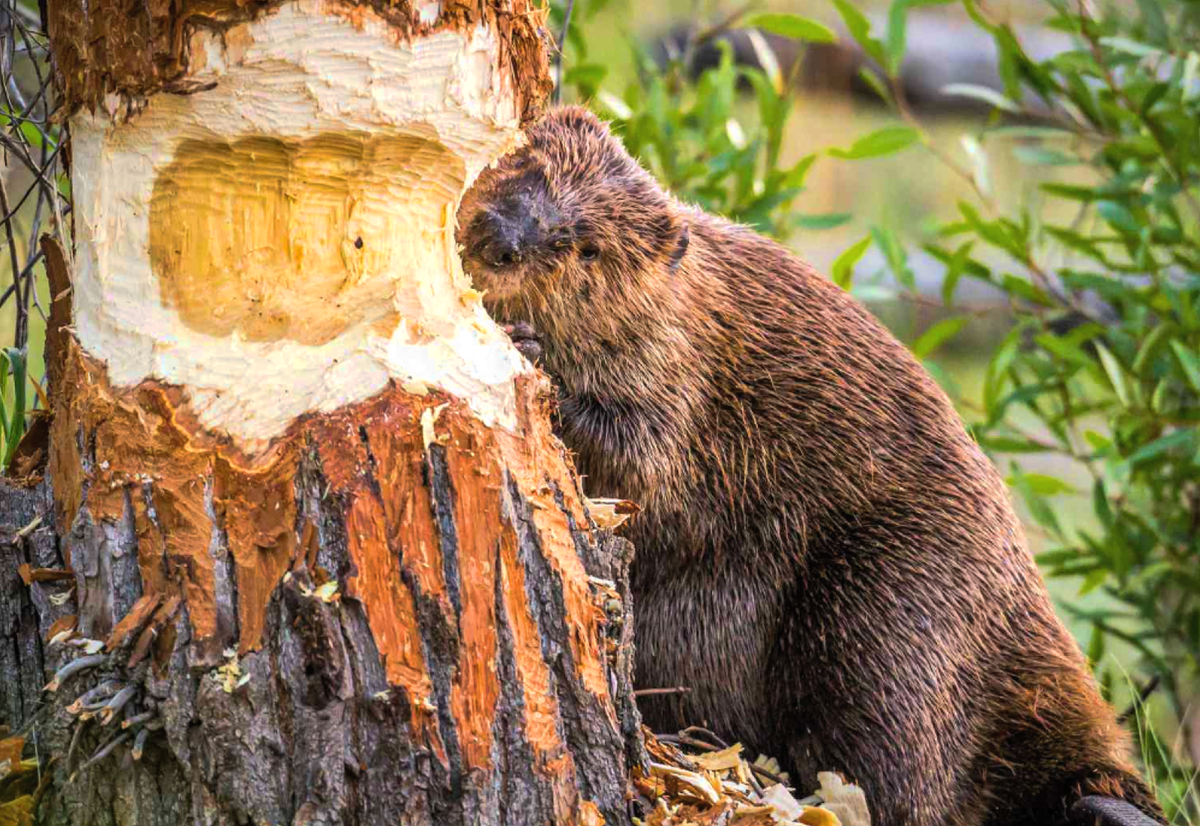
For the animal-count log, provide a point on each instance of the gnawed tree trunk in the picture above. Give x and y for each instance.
(327, 561)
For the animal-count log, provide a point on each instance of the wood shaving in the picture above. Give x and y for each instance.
(711, 788)
(611, 513)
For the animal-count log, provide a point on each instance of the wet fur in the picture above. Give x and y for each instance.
(824, 555)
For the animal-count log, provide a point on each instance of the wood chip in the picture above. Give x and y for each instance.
(845, 800)
(729, 758)
(30, 575)
(710, 789)
(611, 513)
(696, 783)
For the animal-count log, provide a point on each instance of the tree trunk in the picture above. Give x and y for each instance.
(308, 550)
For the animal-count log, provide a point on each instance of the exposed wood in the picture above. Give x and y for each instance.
(308, 551)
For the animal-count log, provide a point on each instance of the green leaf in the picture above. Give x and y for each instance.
(1001, 444)
(892, 247)
(1189, 362)
(896, 29)
(1095, 652)
(884, 141)
(1074, 193)
(16, 420)
(828, 220)
(997, 372)
(937, 335)
(1184, 438)
(1024, 289)
(1100, 504)
(1150, 345)
(954, 271)
(1156, 22)
(1115, 373)
(1066, 350)
(1119, 217)
(843, 267)
(870, 77)
(585, 74)
(1130, 46)
(619, 109)
(796, 176)
(983, 93)
(860, 29)
(4, 425)
(1057, 556)
(793, 26)
(1093, 581)
(1042, 513)
(1043, 485)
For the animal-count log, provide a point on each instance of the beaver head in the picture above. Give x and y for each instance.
(569, 219)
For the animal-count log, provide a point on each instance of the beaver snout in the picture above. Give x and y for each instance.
(506, 232)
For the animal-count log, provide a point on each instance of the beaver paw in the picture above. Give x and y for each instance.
(525, 339)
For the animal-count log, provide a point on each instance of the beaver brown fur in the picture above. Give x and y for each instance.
(824, 556)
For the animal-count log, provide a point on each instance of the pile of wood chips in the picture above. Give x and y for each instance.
(712, 786)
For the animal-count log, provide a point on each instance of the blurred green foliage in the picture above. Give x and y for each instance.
(1101, 368)
(695, 137)
(1100, 372)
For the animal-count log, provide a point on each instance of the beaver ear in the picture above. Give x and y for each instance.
(683, 237)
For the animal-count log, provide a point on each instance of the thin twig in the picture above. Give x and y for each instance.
(712, 736)
(1143, 695)
(654, 692)
(767, 773)
(560, 55)
(104, 751)
(704, 35)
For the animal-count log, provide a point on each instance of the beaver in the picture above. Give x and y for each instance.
(824, 556)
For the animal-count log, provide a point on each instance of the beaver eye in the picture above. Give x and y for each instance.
(589, 252)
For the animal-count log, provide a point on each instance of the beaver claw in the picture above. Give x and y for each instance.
(526, 340)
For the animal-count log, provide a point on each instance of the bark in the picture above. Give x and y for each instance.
(431, 650)
(375, 611)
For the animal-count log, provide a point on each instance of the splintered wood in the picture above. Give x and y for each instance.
(718, 787)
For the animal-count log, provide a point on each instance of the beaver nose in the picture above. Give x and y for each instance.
(508, 232)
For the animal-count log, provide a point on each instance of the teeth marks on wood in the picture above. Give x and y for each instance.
(439, 643)
(583, 719)
(508, 729)
(314, 676)
(224, 574)
(94, 549)
(126, 579)
(372, 465)
(319, 657)
(442, 495)
(324, 509)
(609, 556)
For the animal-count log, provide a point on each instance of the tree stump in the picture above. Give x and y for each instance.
(309, 551)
